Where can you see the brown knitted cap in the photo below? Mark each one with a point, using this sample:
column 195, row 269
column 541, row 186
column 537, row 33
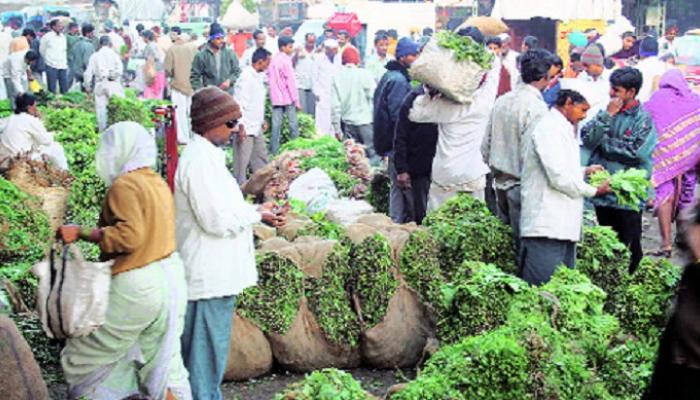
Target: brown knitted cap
column 211, row 108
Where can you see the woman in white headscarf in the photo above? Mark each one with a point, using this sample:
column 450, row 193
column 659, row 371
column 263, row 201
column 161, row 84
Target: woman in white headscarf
column 137, row 350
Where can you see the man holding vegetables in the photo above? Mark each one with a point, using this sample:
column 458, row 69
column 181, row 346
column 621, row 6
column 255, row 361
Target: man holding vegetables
column 553, row 189
column 621, row 138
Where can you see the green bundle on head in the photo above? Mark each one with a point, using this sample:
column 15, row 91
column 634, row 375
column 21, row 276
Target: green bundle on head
column 420, row 267
column 477, row 301
column 492, row 366
column 329, row 299
column 630, row 186
column 373, row 280
column 465, row 48
column 274, row 302
column 467, row 231
column 327, row 384
column 604, row 260
column 646, row 296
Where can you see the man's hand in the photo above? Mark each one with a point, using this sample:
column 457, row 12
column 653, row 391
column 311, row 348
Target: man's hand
column 225, row 84
column 273, row 219
column 318, row 99
column 403, row 180
column 603, row 189
column 593, row 169
column 68, row 233
column 299, row 107
column 615, row 106
column 241, row 133
column 265, row 126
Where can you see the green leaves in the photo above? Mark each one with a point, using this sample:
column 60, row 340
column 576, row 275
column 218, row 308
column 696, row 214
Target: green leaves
column 327, row 384
column 465, row 48
column 630, row 186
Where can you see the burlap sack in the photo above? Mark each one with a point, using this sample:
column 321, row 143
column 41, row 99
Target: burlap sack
column 21, row 376
column 256, row 184
column 368, row 225
column 398, row 341
column 489, row 26
column 249, row 354
column 304, row 347
column 437, row 68
column 263, row 232
column 54, row 199
column 295, row 223
column 307, row 253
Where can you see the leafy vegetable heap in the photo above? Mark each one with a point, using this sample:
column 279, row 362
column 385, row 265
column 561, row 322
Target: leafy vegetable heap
column 373, row 281
column 330, row 302
column 327, row 384
column 465, row 49
column 274, row 302
column 420, row 267
column 307, row 126
column 629, row 186
column 466, row 230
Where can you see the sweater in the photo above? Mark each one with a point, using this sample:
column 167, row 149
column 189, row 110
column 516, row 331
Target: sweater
column 391, row 90
column 415, row 143
column 137, row 221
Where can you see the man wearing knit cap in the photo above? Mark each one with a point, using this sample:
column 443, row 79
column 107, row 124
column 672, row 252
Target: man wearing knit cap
column 596, row 79
column 391, row 90
column 215, row 239
column 216, row 64
column 650, row 66
column 326, row 66
column 351, row 99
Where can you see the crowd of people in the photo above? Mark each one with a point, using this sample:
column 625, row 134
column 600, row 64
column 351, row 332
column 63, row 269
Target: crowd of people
column 537, row 128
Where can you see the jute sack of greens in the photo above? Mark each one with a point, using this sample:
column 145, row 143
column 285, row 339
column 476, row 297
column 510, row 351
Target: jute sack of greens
column 395, row 324
column 302, row 305
column 249, row 354
column 454, row 65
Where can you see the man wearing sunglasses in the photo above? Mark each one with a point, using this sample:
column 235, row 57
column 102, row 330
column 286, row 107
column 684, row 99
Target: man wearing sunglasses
column 214, row 233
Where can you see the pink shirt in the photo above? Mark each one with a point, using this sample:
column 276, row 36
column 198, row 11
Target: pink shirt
column 282, row 81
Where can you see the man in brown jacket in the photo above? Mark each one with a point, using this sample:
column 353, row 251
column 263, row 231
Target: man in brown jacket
column 178, row 64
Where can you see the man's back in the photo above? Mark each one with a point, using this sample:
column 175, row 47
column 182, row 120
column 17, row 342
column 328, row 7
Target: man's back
column 353, row 89
column 178, row 65
column 513, row 114
column 388, row 97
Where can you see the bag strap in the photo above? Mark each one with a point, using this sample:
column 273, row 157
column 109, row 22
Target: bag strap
column 64, row 261
column 52, row 276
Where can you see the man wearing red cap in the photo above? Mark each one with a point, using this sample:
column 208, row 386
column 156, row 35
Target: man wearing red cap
column 351, row 101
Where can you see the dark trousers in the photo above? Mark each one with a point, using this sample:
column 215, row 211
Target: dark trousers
column 54, row 75
column 509, row 205
column 365, row 135
column 400, row 200
column 540, row 258
column 628, row 225
column 420, row 187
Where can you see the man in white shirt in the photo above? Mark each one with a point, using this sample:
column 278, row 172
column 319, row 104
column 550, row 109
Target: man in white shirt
column 15, row 73
column 458, row 166
column 510, row 59
column 249, row 148
column 214, row 233
column 325, row 67
column 25, row 133
column 107, row 68
column 594, row 81
column 514, row 114
column 651, row 67
column 271, row 40
column 376, row 62
column 259, row 39
column 304, row 57
column 553, row 189
column 54, row 51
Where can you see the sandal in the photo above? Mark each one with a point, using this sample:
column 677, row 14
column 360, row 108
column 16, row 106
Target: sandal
column 663, row 253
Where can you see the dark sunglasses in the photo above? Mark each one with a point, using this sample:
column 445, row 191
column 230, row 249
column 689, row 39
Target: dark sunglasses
column 232, row 123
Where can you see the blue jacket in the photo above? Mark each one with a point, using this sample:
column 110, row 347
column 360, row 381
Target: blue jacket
column 391, row 90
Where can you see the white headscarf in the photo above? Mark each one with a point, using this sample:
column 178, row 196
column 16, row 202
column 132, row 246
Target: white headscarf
column 331, row 43
column 124, row 147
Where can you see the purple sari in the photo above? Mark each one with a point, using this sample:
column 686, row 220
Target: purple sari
column 675, row 110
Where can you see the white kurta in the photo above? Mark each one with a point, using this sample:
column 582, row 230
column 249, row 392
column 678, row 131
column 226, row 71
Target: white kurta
column 107, row 68
column 652, row 69
column 214, row 224
column 324, row 71
column 552, row 182
column 24, row 133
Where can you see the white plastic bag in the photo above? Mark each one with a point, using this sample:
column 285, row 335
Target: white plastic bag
column 315, row 188
column 73, row 294
column 347, row 211
column 437, row 68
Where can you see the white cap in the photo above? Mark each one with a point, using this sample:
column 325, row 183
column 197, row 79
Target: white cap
column 504, row 37
column 331, row 43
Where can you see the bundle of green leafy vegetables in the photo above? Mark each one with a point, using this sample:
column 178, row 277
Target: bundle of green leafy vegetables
column 274, row 302
column 127, row 109
column 476, row 301
column 47, row 351
column 321, row 226
column 467, row 231
column 24, row 233
column 306, row 124
column 5, row 108
column 329, row 299
column 630, row 186
column 604, row 260
column 465, row 48
column 327, row 384
column 420, row 266
column 379, row 189
column 373, row 281
column 646, row 297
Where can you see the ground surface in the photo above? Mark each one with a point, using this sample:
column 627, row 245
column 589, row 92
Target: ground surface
column 375, row 381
